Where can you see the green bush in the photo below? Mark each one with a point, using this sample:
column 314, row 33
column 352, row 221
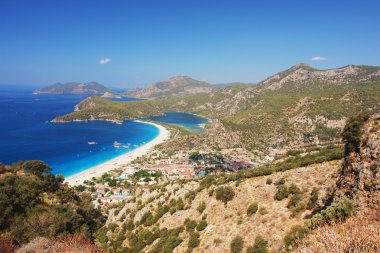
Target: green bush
column 269, row 180
column 295, row 236
column 252, row 209
column 190, row 224
column 260, row 246
column 202, row 225
column 282, row 192
column 194, row 240
column 236, row 245
column 280, row 182
column 225, row 194
column 201, row 207
column 337, row 211
column 294, row 200
column 313, row 200
column 352, row 132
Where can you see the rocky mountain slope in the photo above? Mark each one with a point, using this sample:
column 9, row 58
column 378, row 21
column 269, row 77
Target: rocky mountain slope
column 74, row 88
column 175, row 86
column 360, row 177
column 293, row 107
column 299, row 204
column 206, row 215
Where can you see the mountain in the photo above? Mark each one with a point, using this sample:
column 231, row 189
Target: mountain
column 273, row 208
column 294, row 107
column 74, row 88
column 175, row 86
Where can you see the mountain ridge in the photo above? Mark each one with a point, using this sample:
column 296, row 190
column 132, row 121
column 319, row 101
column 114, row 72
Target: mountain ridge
column 93, row 88
column 174, row 86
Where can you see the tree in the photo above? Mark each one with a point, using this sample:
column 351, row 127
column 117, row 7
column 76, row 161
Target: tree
column 36, row 167
column 260, row 246
column 352, row 132
column 225, row 194
column 236, row 245
column 252, row 209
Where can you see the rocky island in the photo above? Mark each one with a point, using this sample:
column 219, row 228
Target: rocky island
column 92, row 88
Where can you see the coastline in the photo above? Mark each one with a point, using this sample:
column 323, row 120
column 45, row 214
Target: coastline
column 121, row 160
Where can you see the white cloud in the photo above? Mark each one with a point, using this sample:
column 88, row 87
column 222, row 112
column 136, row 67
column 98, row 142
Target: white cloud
column 319, row 58
column 104, row 61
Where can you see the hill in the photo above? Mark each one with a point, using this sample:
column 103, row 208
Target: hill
column 175, row 86
column 74, row 88
column 297, row 106
column 306, row 197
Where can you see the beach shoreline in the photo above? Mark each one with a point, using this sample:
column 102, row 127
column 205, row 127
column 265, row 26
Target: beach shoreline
column 121, row 160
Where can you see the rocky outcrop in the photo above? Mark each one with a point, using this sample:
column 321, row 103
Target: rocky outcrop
column 360, row 176
column 175, row 86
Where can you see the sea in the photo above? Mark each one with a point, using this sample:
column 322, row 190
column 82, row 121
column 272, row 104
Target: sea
column 26, row 132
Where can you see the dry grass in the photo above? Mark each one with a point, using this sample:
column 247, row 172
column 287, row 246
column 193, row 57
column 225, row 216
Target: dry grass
column 62, row 244
column 356, row 235
column 6, row 244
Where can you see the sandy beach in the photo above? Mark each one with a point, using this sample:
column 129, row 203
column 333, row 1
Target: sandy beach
column 124, row 159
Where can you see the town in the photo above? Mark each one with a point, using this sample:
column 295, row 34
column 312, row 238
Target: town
column 160, row 167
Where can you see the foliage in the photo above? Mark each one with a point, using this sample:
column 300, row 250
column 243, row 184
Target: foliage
column 252, row 209
column 225, row 194
column 38, row 204
column 260, row 246
column 194, row 240
column 352, row 132
column 296, row 234
column 282, row 192
column 202, row 225
column 190, row 224
column 313, row 200
column 337, row 211
column 236, row 245
column 269, row 180
column 201, row 207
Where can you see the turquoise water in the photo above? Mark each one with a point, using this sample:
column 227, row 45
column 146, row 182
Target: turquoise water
column 188, row 121
column 27, row 134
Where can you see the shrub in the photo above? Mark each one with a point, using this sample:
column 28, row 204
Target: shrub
column 282, row 192
column 280, row 182
column 337, row 211
column 352, row 132
column 263, row 211
column 260, row 246
column 252, row 209
column 201, row 207
column 294, row 200
column 112, row 226
column 269, row 180
column 295, row 236
column 193, row 240
column 225, row 194
column 190, row 224
column 236, row 245
column 202, row 225
column 293, row 189
column 313, row 200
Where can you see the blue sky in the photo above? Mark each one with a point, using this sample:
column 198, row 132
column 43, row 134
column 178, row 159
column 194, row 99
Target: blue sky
column 143, row 41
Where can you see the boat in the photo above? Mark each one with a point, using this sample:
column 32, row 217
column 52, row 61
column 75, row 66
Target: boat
column 116, row 144
column 92, row 143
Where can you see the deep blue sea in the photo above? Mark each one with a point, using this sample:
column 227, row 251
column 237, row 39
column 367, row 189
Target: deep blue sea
column 26, row 133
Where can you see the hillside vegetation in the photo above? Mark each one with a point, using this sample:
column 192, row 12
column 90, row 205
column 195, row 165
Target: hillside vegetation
column 35, row 203
column 298, row 105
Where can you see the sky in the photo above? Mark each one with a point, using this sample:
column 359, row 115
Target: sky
column 132, row 43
